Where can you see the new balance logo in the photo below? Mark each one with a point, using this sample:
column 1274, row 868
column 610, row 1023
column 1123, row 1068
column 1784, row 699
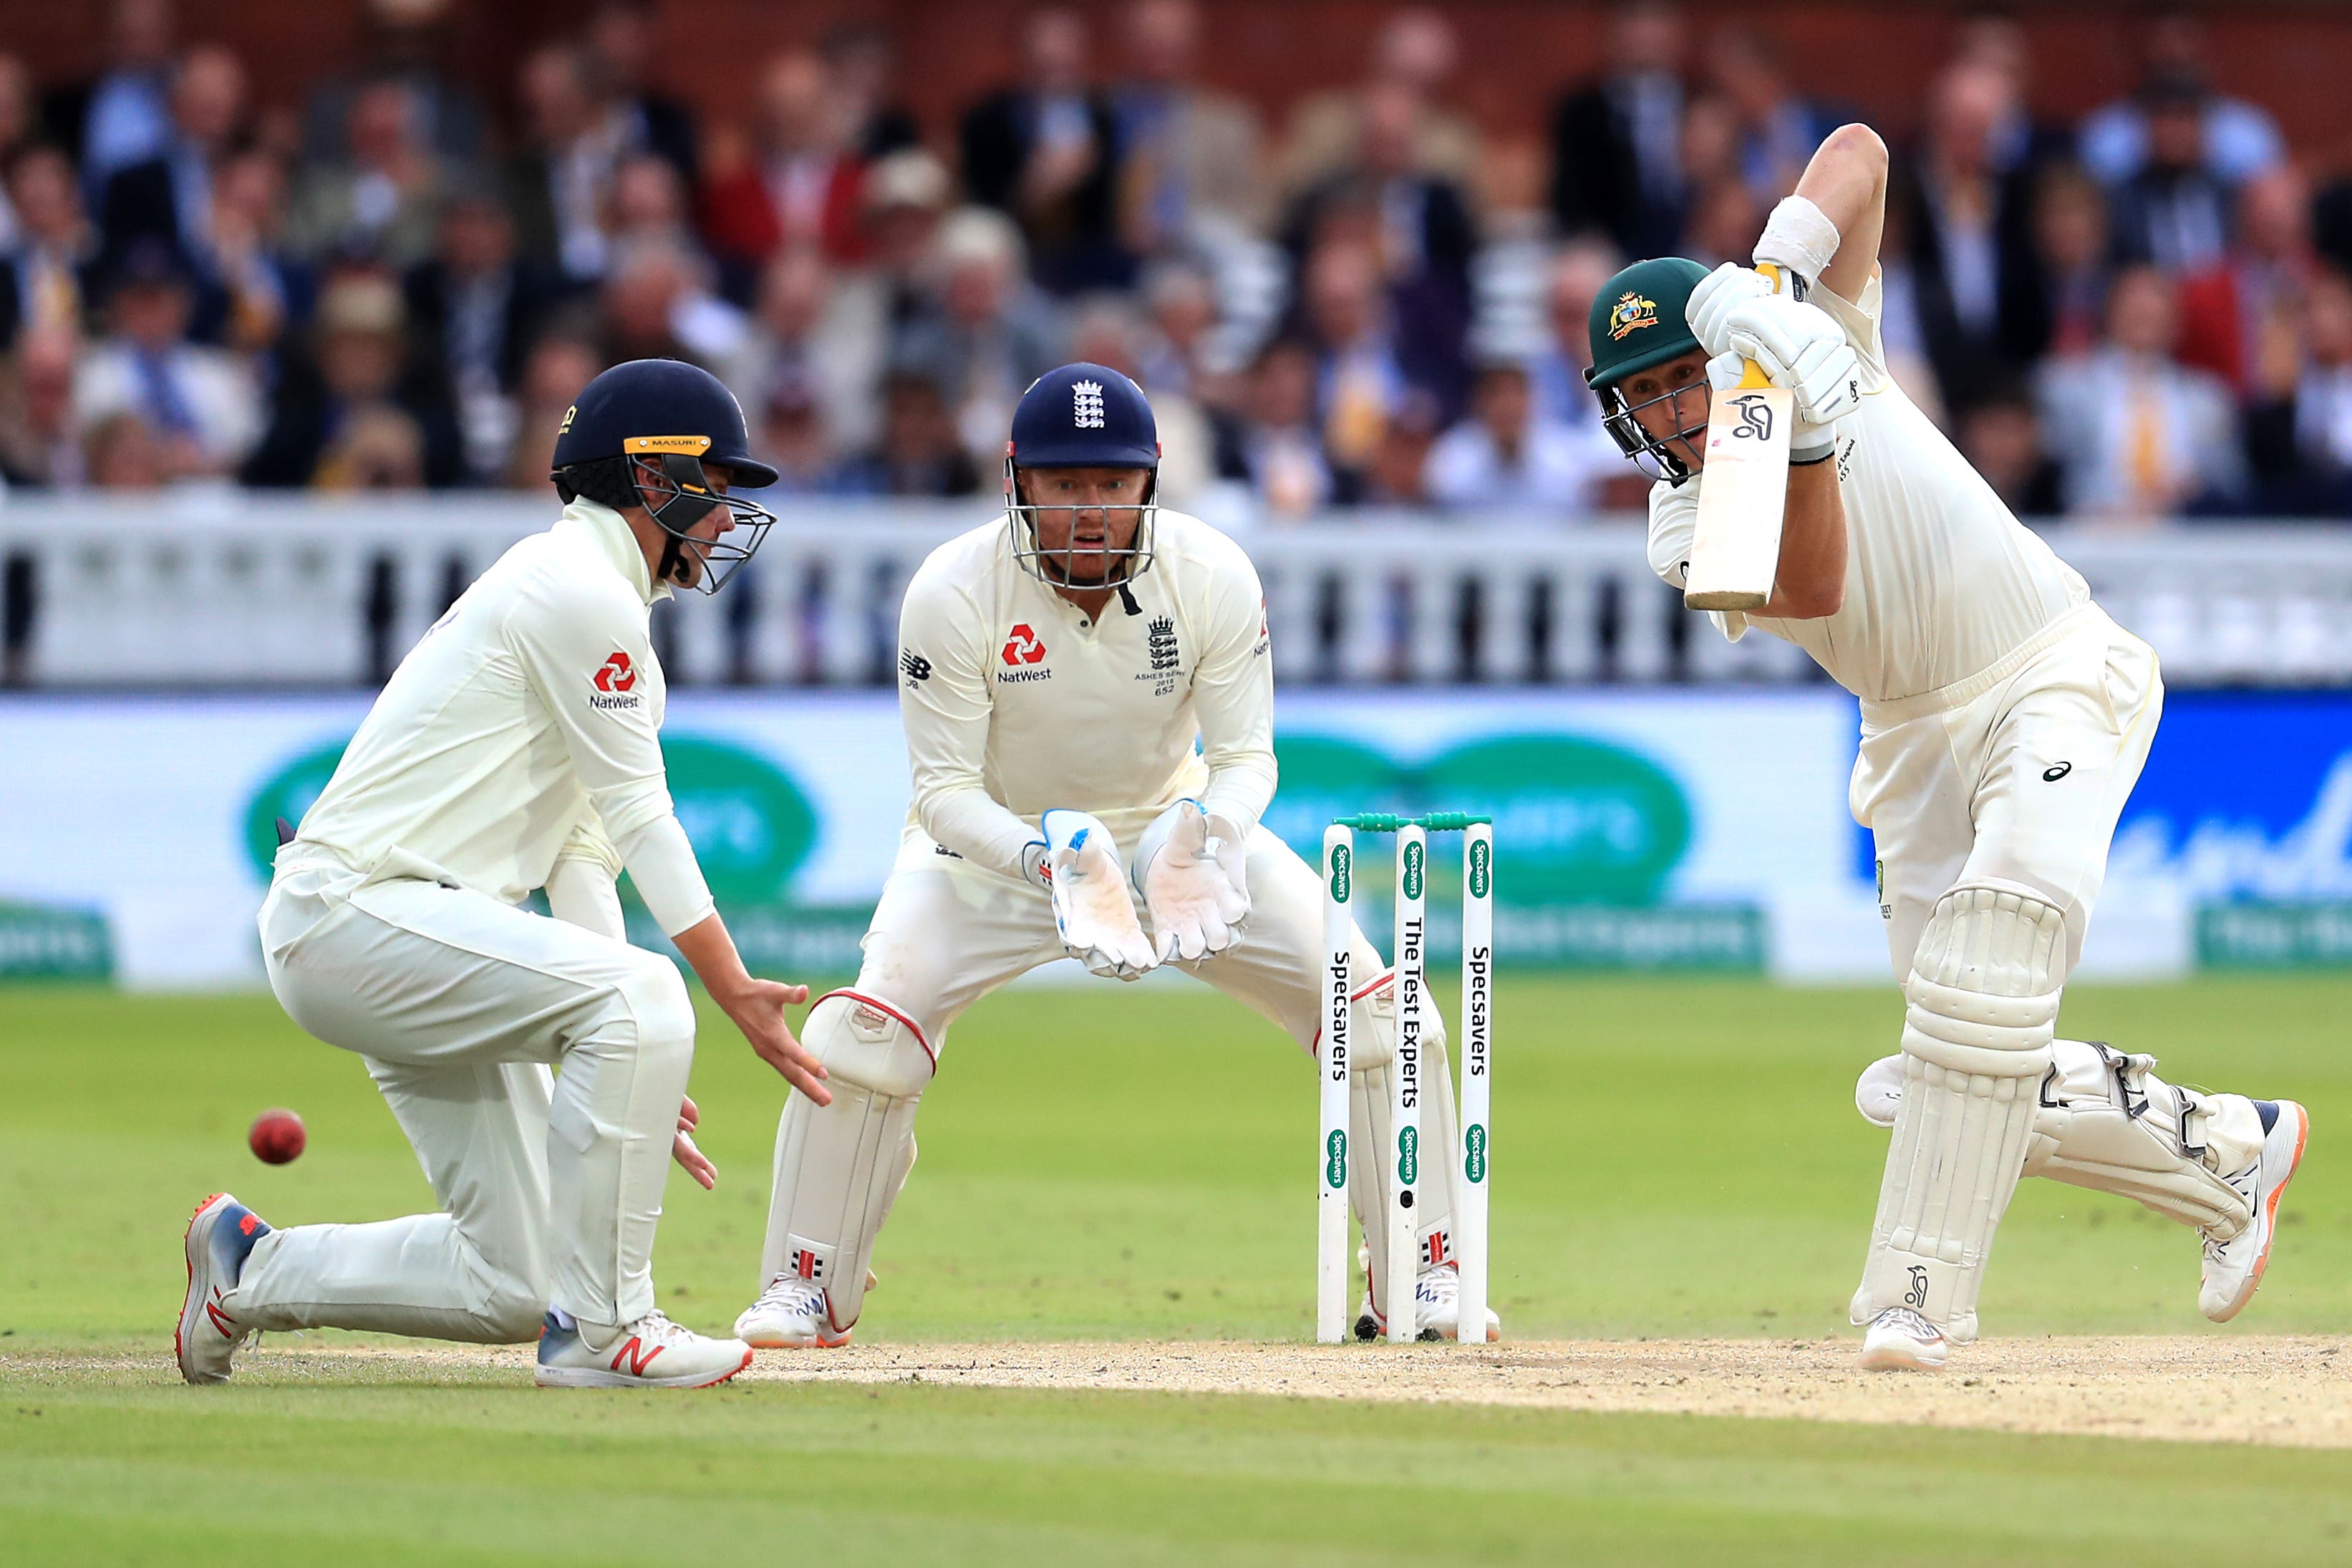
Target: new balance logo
column 636, row 1355
column 220, row 1320
column 1087, row 405
column 917, row 668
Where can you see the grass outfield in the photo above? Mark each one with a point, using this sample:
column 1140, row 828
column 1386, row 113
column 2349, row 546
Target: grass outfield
column 1671, row 1159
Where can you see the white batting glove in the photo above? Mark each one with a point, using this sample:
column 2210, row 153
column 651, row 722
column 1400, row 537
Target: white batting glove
column 1808, row 442
column 1718, row 294
column 1091, row 907
column 1190, row 868
column 1798, row 347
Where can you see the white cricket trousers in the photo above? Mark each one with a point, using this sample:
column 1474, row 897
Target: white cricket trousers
column 550, row 1184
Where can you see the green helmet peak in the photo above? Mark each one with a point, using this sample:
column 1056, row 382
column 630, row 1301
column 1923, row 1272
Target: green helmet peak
column 1639, row 319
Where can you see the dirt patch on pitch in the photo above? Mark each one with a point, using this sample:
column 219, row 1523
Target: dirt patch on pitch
column 2290, row 1391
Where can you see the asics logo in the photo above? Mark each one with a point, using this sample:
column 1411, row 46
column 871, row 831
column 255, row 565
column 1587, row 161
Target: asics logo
column 2058, row 771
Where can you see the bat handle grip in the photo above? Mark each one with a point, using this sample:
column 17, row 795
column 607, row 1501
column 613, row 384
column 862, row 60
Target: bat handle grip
column 1752, row 374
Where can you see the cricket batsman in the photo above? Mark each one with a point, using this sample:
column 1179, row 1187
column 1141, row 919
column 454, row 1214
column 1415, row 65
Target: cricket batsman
column 2004, row 721
column 1088, row 704
column 516, row 748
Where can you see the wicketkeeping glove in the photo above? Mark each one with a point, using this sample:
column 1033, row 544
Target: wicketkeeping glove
column 1190, row 868
column 1091, row 907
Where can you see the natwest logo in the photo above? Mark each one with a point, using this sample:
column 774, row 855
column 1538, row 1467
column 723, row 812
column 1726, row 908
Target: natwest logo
column 1022, row 646
column 617, row 674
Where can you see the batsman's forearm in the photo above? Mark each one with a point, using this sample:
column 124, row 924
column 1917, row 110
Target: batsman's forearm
column 1810, row 582
column 1847, row 180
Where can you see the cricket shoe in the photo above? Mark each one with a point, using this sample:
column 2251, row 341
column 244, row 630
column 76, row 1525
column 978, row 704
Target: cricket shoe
column 791, row 1313
column 221, row 1235
column 1436, row 1309
column 1900, row 1339
column 2233, row 1268
column 652, row 1352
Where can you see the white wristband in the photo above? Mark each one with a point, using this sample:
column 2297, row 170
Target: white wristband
column 1799, row 237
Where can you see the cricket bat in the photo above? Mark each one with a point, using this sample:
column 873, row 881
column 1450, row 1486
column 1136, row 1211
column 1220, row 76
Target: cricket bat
column 1743, row 493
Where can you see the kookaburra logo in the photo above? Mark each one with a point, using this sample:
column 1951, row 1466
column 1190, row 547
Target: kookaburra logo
column 1087, row 405
column 1916, row 1297
column 1161, row 639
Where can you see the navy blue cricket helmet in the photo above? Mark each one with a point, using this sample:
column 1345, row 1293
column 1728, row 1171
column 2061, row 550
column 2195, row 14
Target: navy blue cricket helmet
column 1083, row 416
column 640, row 434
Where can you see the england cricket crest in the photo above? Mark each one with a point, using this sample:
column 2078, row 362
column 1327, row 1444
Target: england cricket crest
column 1087, row 405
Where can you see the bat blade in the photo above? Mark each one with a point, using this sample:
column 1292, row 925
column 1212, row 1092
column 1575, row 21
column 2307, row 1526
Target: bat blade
column 1743, row 494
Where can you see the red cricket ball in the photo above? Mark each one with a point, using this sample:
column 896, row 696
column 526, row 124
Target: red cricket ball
column 277, row 1137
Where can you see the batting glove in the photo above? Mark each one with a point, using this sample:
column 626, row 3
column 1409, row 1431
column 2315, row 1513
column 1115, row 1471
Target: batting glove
column 1091, row 907
column 1718, row 294
column 1808, row 442
column 1190, row 868
column 1798, row 347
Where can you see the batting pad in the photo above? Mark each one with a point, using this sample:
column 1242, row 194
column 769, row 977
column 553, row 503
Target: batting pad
column 1371, row 1126
column 2107, row 1122
column 1983, row 1008
column 839, row 1167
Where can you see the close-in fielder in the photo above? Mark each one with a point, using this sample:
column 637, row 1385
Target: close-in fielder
column 1089, row 703
column 2004, row 721
column 516, row 748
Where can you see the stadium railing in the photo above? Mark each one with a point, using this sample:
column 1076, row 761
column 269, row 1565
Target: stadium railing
column 222, row 588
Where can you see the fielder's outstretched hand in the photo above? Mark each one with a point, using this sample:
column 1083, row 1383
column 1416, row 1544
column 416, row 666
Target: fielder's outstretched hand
column 1190, row 868
column 682, row 1150
column 1091, row 907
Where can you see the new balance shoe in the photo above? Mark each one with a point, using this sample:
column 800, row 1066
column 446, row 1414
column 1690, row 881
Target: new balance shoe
column 1436, row 1309
column 791, row 1313
column 220, row 1238
column 2233, row 1268
column 1900, row 1339
column 652, row 1352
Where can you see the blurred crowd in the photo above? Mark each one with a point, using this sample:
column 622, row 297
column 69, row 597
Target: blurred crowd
column 392, row 284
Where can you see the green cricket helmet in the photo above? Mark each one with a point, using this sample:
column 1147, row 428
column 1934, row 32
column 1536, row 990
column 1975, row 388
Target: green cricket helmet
column 1639, row 320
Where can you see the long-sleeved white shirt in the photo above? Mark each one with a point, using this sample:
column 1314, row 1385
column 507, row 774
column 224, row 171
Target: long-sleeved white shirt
column 1941, row 580
column 1015, row 704
column 525, row 725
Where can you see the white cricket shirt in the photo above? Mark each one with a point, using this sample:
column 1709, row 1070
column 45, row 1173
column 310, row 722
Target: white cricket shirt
column 1015, row 704
column 523, row 725
column 1941, row 580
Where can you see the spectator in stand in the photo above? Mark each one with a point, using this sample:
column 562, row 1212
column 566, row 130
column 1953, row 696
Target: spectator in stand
column 1556, row 375
column 1273, row 449
column 1359, row 381
column 403, row 41
column 793, row 441
column 803, row 185
column 987, row 332
column 624, row 37
column 1779, row 129
column 2139, row 435
column 121, row 453
column 2234, row 140
column 1995, row 41
column 1721, row 217
column 125, row 118
column 1046, row 151
column 1107, row 331
column 2299, row 418
column 381, row 202
column 2000, row 433
column 1503, row 460
column 1616, row 142
column 1399, row 474
column 864, row 64
column 1192, row 163
column 169, row 197
column 359, row 412
column 16, row 135
column 561, row 179
column 39, row 448
column 553, row 374
column 49, row 277
column 906, row 195
column 920, row 453
column 656, row 303
column 1414, row 53
column 2071, row 253
column 473, row 309
column 2173, row 210
column 802, row 350
column 202, row 404
column 1181, row 303
column 1971, row 238
column 2226, row 309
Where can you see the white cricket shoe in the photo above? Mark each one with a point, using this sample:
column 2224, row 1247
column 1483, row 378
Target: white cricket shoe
column 2233, row 1268
column 1900, row 1339
column 1436, row 1309
column 791, row 1313
column 652, row 1352
column 220, row 1238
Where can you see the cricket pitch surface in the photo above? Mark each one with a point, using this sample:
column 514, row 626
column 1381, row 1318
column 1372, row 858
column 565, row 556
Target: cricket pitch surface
column 2289, row 1391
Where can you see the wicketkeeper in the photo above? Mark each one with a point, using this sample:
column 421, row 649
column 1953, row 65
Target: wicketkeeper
column 516, row 748
column 1089, row 703
column 2004, row 721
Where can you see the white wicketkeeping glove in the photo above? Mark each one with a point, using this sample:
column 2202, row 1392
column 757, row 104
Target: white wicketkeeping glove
column 1800, row 348
column 1091, row 907
column 1190, row 868
column 1719, row 293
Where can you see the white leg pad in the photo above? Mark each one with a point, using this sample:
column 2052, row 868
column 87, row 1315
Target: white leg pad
column 1369, row 1127
column 840, row 1167
column 1983, row 1008
column 2107, row 1122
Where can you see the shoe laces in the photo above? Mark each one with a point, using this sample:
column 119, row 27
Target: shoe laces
column 791, row 1293
column 1907, row 1321
column 654, row 1328
column 1441, row 1284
